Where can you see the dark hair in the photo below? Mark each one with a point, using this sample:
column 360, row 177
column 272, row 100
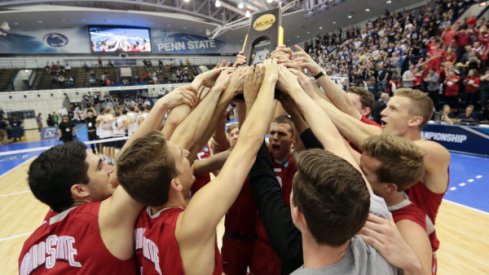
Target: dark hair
column 331, row 194
column 145, row 169
column 366, row 98
column 52, row 174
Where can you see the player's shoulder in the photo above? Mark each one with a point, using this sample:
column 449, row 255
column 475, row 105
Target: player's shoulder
column 433, row 149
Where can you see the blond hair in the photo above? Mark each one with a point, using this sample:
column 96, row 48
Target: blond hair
column 401, row 160
column 422, row 105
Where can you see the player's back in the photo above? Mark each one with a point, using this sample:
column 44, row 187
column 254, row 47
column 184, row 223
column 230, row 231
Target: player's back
column 70, row 242
column 157, row 247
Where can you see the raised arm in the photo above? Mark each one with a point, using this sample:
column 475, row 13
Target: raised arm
column 208, row 206
column 337, row 96
column 319, row 121
column 119, row 212
column 195, row 124
column 352, row 129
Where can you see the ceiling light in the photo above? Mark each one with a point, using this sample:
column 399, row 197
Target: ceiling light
column 367, row 10
column 349, row 16
column 218, row 4
column 240, row 6
column 186, row 1
column 248, row 14
column 389, row 2
column 269, row 1
column 320, row 27
column 334, row 22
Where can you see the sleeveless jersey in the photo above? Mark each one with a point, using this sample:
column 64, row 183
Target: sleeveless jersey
column 241, row 216
column 429, row 203
column 156, row 245
column 69, row 243
column 407, row 210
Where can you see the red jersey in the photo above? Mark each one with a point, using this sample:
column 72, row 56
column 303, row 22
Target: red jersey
column 241, row 216
column 406, row 210
column 470, row 82
column 202, row 180
column 451, row 88
column 429, row 203
column 368, row 121
column 70, row 242
column 156, row 245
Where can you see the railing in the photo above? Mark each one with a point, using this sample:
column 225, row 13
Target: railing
column 30, row 62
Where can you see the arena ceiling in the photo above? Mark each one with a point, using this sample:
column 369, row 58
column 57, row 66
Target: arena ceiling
column 227, row 22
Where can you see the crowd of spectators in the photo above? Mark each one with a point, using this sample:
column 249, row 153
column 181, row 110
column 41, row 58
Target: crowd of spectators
column 424, row 48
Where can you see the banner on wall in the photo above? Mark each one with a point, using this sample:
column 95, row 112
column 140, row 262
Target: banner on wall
column 51, row 41
column 472, row 140
column 182, row 43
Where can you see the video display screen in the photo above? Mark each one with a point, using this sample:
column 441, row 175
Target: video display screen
column 119, row 39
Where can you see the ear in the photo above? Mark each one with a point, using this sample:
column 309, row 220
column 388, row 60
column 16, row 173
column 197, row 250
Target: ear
column 80, row 191
column 415, row 121
column 390, row 187
column 175, row 185
column 366, row 111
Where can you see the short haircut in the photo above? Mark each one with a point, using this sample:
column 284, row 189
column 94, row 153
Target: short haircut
column 422, row 105
column 52, row 174
column 145, row 169
column 232, row 127
column 402, row 161
column 285, row 119
column 331, row 194
column 366, row 98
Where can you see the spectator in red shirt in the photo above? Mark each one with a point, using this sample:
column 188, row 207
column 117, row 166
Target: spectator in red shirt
column 472, row 82
column 448, row 35
column 452, row 88
column 462, row 39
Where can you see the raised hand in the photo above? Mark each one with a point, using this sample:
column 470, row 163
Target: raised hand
column 207, row 78
column 222, row 81
column 240, row 59
column 252, row 84
column 384, row 236
column 287, row 81
column 181, row 95
column 304, row 60
column 238, row 79
column 306, row 83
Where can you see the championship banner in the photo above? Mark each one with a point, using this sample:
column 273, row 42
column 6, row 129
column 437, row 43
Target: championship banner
column 50, row 41
column 466, row 139
column 164, row 42
column 264, row 35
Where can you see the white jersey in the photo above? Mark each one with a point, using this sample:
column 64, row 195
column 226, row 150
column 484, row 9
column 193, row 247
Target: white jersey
column 105, row 130
column 133, row 125
column 119, row 127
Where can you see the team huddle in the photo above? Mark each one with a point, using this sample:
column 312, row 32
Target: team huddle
column 327, row 192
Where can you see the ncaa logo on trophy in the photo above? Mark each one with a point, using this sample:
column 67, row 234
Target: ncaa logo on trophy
column 264, row 35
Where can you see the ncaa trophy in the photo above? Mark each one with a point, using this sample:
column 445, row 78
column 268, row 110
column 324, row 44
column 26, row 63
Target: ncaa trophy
column 264, row 35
